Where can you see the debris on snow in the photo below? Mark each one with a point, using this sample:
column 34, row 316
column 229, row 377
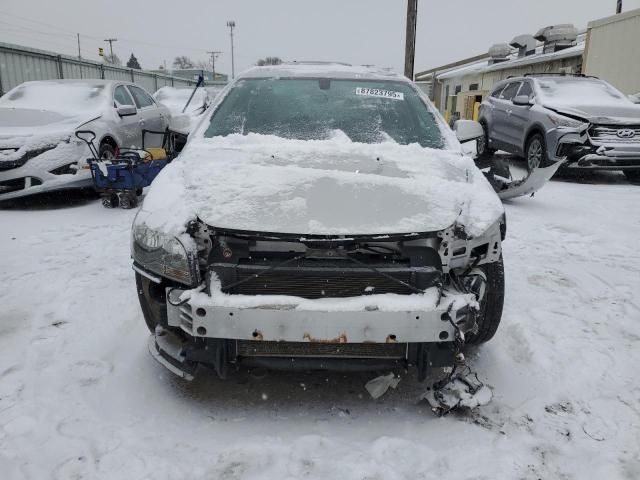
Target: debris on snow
column 463, row 390
column 379, row 385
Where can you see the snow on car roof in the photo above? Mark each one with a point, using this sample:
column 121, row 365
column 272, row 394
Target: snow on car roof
column 68, row 97
column 321, row 69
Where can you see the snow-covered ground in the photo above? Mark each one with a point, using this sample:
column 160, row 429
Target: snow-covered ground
column 81, row 398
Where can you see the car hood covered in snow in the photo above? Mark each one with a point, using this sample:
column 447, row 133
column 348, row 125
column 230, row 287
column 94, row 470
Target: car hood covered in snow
column 324, row 187
column 24, row 130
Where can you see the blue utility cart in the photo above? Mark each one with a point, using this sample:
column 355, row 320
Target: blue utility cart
column 120, row 180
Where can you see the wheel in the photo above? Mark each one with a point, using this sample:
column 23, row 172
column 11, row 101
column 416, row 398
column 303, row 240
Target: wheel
column 110, row 200
column 633, row 176
column 107, row 152
column 128, row 200
column 482, row 144
column 491, row 306
column 536, row 152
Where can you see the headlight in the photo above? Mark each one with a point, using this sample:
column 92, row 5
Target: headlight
column 165, row 255
column 563, row 121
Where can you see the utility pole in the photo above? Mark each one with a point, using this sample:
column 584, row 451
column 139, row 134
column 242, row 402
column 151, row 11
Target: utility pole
column 410, row 38
column 232, row 24
column 214, row 55
column 111, row 40
column 79, row 54
column 619, row 7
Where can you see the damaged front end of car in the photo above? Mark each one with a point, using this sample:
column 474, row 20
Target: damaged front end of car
column 230, row 298
column 599, row 144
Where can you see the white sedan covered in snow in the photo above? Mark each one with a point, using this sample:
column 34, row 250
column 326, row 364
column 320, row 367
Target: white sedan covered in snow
column 38, row 149
column 175, row 99
column 320, row 216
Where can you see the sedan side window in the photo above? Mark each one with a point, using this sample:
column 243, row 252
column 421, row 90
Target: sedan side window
column 510, row 91
column 141, row 98
column 121, row 96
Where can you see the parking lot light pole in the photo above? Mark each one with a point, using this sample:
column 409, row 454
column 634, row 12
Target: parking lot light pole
column 232, row 24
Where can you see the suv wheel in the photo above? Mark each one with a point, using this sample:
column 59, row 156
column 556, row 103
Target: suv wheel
column 536, row 152
column 482, row 144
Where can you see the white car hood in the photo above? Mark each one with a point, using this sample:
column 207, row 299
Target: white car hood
column 23, row 130
column 328, row 187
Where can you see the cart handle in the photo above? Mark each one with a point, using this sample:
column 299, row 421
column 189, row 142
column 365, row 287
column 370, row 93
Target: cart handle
column 88, row 136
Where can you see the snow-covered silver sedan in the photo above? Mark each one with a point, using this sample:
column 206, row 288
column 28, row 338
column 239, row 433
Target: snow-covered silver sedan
column 320, row 216
column 38, row 149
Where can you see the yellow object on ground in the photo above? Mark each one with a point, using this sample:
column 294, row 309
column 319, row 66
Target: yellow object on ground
column 155, row 154
column 476, row 111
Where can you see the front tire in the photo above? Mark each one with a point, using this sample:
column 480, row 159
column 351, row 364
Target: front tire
column 536, row 152
column 490, row 313
column 482, row 144
column 107, row 152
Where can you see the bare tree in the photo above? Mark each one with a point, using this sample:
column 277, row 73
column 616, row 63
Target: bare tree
column 269, row 61
column 112, row 59
column 203, row 64
column 182, row 62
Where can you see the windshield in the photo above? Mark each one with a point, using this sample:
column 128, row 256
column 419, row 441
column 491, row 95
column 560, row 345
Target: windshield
column 62, row 97
column 580, row 91
column 313, row 109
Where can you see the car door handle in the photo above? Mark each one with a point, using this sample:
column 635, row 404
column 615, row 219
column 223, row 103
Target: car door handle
column 141, row 122
column 509, row 112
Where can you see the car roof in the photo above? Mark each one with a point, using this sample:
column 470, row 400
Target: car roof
column 86, row 81
column 333, row 70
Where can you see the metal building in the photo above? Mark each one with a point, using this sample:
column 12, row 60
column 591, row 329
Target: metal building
column 612, row 50
column 607, row 49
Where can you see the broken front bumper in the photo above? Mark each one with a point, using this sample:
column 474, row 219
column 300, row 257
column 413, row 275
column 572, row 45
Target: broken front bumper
column 584, row 153
column 291, row 337
column 200, row 317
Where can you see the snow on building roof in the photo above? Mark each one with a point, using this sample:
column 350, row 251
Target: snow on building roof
column 514, row 62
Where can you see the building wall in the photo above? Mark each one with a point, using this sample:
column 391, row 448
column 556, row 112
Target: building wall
column 613, row 50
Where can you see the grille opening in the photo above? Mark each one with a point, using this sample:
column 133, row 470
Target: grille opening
column 65, row 169
column 257, row 348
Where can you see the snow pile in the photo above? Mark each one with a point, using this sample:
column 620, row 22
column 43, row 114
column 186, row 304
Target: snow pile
column 326, row 187
column 80, row 396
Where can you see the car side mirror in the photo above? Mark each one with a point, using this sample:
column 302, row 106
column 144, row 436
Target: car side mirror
column 467, row 130
column 635, row 98
column 522, row 101
column 126, row 110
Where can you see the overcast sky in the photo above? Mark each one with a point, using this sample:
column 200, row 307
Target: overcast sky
column 355, row 31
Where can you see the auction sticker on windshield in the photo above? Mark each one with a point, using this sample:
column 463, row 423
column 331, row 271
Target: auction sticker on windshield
column 378, row 92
